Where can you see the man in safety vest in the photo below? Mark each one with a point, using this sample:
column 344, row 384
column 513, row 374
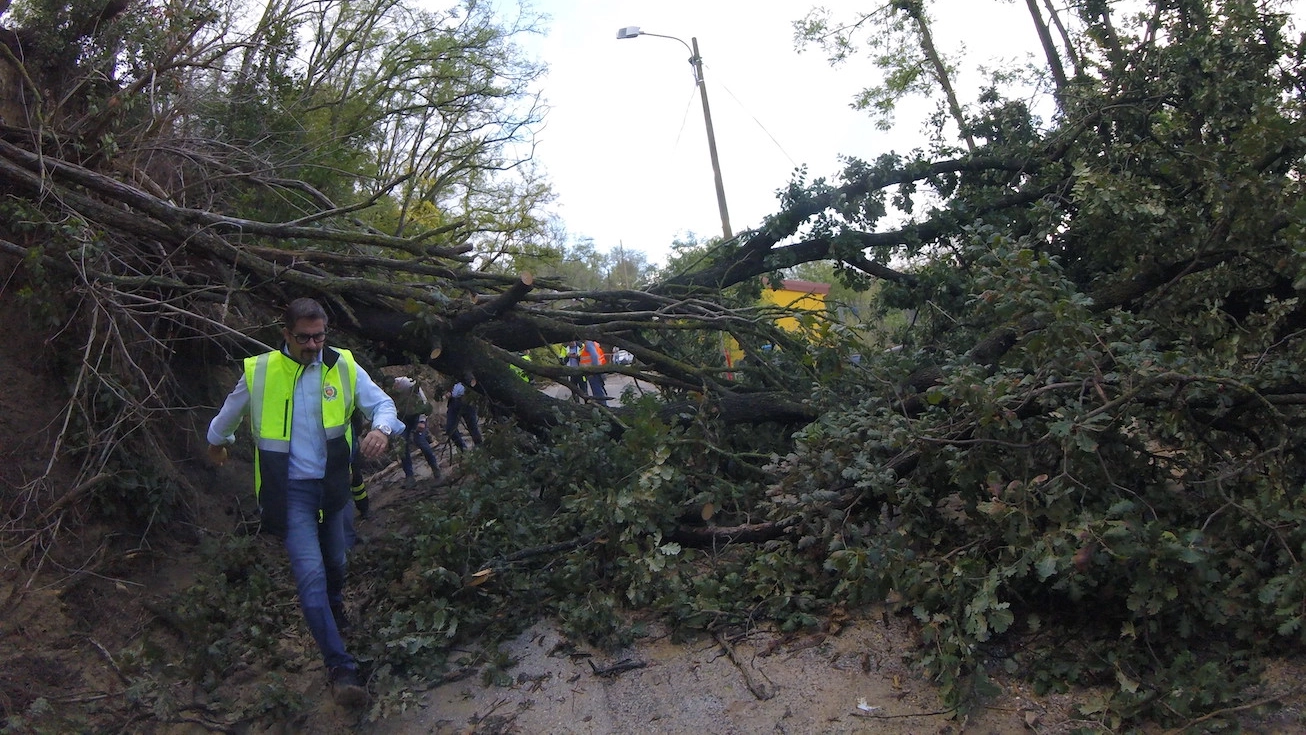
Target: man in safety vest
column 570, row 356
column 592, row 354
column 300, row 400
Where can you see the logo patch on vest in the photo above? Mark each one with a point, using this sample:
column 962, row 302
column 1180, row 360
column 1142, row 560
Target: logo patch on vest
column 329, row 392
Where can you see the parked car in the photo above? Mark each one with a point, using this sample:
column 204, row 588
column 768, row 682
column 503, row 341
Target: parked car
column 622, row 357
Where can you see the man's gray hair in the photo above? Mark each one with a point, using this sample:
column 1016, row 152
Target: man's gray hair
column 303, row 308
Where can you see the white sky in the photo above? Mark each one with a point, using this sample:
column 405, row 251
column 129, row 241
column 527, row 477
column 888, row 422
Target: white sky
column 625, row 144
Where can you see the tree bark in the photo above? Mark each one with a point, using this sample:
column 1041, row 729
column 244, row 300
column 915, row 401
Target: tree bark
column 1049, row 48
column 916, row 10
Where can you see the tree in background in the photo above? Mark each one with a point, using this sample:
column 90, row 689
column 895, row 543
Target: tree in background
column 584, row 267
column 898, row 36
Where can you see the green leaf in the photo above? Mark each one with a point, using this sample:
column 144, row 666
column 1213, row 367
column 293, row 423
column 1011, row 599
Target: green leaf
column 1046, row 567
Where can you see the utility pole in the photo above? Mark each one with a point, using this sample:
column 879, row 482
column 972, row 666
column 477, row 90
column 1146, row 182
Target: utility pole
column 696, row 62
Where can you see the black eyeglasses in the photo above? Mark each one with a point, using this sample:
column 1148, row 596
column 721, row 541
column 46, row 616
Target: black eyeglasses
column 304, row 339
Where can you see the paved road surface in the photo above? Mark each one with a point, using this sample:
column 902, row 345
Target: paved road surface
column 615, row 384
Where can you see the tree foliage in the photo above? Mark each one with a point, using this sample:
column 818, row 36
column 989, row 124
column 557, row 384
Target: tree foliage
column 1081, row 464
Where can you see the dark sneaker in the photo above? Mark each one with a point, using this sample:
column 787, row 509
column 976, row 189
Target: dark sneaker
column 347, row 688
column 342, row 620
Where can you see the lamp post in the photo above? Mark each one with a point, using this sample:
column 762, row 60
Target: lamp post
column 696, row 62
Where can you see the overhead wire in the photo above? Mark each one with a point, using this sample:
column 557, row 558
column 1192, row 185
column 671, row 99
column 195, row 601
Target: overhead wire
column 684, row 117
column 755, row 120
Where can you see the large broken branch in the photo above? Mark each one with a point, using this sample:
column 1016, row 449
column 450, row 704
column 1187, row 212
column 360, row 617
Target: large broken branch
column 706, row 537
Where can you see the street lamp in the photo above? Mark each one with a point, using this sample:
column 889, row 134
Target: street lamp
column 696, row 62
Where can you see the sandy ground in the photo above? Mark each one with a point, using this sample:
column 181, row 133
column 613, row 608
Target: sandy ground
column 853, row 682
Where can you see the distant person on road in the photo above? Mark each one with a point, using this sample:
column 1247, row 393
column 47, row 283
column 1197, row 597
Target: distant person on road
column 300, row 400
column 462, row 408
column 572, row 359
column 592, row 354
column 413, row 406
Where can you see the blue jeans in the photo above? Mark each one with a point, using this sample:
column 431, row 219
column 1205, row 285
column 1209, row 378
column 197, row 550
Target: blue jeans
column 347, row 521
column 467, row 414
column 317, row 559
column 413, row 436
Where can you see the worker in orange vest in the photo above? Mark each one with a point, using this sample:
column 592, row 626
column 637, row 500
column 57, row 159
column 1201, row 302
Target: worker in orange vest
column 592, row 354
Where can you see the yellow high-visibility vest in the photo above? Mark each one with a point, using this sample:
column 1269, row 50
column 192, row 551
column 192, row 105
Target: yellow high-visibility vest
column 270, row 378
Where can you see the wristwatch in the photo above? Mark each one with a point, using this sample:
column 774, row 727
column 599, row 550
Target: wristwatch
column 384, row 429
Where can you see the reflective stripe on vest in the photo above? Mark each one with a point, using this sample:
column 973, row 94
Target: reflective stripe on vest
column 585, row 358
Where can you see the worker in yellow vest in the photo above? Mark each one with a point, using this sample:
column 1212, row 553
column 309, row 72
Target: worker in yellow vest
column 300, row 400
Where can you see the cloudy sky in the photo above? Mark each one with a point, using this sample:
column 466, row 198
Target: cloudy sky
column 625, row 144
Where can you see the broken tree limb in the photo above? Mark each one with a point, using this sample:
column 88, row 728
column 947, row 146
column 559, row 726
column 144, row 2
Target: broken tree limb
column 748, row 533
column 608, row 672
column 759, row 690
column 508, row 560
column 496, row 306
